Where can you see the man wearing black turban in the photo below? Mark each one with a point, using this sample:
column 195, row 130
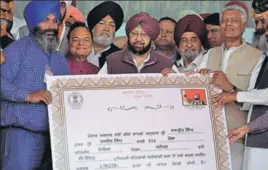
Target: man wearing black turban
column 213, row 30
column 104, row 20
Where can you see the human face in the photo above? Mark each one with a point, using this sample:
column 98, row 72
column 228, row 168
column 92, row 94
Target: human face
column 214, row 35
column 45, row 34
column 166, row 37
column 63, row 10
column 104, row 31
column 138, row 41
column 232, row 25
column 5, row 10
column 261, row 26
column 190, row 46
column 5, row 17
column 49, row 26
column 80, row 42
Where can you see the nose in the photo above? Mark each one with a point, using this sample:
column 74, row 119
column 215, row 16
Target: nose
column 106, row 28
column 80, row 42
column 259, row 25
column 163, row 34
column 209, row 35
column 189, row 44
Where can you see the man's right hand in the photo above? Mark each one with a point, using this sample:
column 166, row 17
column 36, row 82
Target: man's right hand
column 166, row 71
column 39, row 96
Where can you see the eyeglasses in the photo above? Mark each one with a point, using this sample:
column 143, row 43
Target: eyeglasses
column 136, row 34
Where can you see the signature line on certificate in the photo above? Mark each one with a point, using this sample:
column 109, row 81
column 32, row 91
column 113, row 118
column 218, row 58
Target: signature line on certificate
column 185, row 133
column 107, row 160
column 115, row 144
column 112, row 168
column 106, row 152
column 171, row 149
column 178, row 141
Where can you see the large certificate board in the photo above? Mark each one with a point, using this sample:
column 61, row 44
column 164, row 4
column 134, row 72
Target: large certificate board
column 140, row 122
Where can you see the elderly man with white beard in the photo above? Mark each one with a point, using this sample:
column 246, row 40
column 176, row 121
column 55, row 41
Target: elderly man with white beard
column 103, row 21
column 189, row 37
column 260, row 15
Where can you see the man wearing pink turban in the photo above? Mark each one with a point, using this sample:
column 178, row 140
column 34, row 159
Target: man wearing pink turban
column 139, row 57
column 189, row 36
column 73, row 15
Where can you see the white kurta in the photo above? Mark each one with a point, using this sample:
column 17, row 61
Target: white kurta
column 254, row 158
column 237, row 149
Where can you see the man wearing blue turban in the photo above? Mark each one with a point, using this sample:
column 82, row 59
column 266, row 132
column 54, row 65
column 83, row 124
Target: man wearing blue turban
column 24, row 98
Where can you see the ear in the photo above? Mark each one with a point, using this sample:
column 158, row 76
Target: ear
column 244, row 26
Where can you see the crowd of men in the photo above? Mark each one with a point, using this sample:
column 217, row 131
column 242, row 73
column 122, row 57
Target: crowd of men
column 58, row 40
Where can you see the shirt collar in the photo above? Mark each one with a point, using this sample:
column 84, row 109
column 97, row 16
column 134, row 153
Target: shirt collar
column 224, row 49
column 99, row 53
column 197, row 61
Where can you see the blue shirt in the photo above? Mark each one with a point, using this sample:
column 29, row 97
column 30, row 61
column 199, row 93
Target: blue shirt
column 23, row 73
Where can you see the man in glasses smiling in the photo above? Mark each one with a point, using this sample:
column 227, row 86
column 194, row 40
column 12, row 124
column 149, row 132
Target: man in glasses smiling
column 139, row 57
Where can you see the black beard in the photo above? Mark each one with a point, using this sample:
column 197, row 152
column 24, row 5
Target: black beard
column 259, row 32
column 143, row 51
column 46, row 44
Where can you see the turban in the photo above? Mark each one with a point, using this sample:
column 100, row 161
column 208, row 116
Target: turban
column 190, row 23
column 149, row 24
column 213, row 19
column 37, row 11
column 102, row 10
column 263, row 15
column 204, row 15
column 75, row 13
column 240, row 5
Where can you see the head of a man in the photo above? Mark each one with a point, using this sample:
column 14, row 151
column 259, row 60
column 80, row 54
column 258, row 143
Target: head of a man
column 165, row 40
column 190, row 35
column 73, row 15
column 233, row 21
column 79, row 40
column 196, row 96
column 189, row 46
column 6, row 16
column 141, row 30
column 139, row 42
column 104, row 20
column 260, row 15
column 43, row 25
column 104, row 31
column 213, row 30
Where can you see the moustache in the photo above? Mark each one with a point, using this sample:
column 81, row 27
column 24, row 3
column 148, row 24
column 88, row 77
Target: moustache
column 260, row 31
column 53, row 32
column 6, row 21
column 105, row 34
column 189, row 49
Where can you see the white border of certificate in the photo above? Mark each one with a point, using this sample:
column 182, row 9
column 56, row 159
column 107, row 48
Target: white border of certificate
column 58, row 84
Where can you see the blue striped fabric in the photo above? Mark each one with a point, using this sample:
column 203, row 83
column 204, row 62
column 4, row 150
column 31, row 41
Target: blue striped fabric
column 22, row 73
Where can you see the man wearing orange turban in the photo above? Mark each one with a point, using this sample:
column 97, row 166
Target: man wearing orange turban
column 73, row 15
column 139, row 57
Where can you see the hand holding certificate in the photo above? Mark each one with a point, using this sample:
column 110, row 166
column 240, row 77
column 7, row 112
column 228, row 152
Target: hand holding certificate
column 136, row 122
